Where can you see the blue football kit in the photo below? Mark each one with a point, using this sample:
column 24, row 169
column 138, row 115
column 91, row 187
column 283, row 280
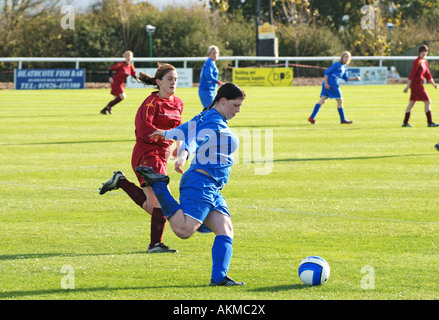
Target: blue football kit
column 211, row 142
column 208, row 83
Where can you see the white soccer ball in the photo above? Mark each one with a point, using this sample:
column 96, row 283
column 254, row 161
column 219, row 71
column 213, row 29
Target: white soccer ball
column 314, row 271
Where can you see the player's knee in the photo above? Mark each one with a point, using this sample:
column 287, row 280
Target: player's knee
column 225, row 228
column 183, row 233
column 151, row 201
column 228, row 229
column 122, row 96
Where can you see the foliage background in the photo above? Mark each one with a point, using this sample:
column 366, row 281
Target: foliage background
column 32, row 28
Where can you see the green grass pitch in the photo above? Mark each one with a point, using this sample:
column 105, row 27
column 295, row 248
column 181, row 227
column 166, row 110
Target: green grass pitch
column 365, row 197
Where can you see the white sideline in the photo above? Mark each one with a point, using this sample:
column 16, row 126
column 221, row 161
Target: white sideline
column 242, row 206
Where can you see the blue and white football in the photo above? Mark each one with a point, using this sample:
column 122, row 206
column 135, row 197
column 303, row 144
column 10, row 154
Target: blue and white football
column 314, row 271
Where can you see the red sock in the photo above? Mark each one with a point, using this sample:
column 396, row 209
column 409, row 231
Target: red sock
column 114, row 102
column 158, row 222
column 136, row 193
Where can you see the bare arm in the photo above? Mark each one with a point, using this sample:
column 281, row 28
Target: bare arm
column 181, row 161
column 409, row 82
column 433, row 83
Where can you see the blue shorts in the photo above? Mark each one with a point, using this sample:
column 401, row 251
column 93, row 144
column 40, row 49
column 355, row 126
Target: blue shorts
column 206, row 97
column 334, row 92
column 199, row 195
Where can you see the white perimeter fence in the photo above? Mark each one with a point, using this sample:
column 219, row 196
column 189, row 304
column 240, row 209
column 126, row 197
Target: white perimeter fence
column 236, row 59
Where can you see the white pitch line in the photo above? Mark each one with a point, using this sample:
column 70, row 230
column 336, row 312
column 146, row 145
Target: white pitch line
column 243, row 206
column 337, row 215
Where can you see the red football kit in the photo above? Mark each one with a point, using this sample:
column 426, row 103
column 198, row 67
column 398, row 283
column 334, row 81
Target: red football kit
column 419, row 71
column 154, row 113
column 123, row 70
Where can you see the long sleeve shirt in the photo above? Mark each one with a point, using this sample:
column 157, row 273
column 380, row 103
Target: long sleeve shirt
column 209, row 76
column 209, row 138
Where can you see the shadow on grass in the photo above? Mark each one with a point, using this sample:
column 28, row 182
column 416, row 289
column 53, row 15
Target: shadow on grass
column 353, row 158
column 70, row 292
column 67, row 292
column 285, row 287
column 51, row 255
column 64, row 142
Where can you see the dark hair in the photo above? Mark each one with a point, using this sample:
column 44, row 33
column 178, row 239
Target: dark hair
column 230, row 91
column 423, row 48
column 162, row 70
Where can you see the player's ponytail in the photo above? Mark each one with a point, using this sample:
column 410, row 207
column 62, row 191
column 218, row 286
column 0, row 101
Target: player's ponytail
column 146, row 79
column 230, row 91
column 162, row 70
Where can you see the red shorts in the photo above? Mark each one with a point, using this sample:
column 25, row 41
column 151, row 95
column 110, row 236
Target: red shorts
column 152, row 156
column 418, row 93
column 117, row 88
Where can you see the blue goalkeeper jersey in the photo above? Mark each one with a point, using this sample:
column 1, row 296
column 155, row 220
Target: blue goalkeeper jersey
column 209, row 138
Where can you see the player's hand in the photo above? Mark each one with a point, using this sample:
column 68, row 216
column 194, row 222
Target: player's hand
column 435, row 86
column 179, row 165
column 157, row 135
column 327, row 86
column 406, row 89
column 111, row 80
column 357, row 78
column 174, row 154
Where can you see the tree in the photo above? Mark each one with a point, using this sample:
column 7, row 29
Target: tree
column 335, row 13
column 15, row 13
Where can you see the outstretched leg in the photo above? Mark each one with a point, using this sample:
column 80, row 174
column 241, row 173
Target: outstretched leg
column 408, row 111
column 341, row 112
column 140, row 197
column 182, row 225
column 316, row 109
column 109, row 107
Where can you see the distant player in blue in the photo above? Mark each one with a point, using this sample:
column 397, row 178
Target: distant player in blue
column 209, row 78
column 331, row 88
column 202, row 207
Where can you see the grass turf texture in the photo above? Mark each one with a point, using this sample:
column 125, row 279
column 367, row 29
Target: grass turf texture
column 357, row 195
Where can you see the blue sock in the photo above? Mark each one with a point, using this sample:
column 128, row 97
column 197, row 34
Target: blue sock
column 316, row 110
column 221, row 255
column 341, row 113
column 166, row 200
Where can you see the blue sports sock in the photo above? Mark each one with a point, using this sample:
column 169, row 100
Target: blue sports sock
column 166, row 200
column 316, row 110
column 221, row 255
column 341, row 113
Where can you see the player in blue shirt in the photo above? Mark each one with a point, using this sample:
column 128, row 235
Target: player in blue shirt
column 202, row 207
column 209, row 78
column 331, row 88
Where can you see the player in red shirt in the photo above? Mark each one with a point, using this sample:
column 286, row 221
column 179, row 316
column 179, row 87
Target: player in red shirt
column 415, row 82
column 118, row 74
column 161, row 110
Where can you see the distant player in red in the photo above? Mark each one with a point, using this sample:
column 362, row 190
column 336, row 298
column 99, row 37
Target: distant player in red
column 415, row 82
column 119, row 73
column 161, row 110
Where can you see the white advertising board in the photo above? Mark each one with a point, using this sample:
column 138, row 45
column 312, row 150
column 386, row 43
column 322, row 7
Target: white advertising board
column 368, row 75
column 184, row 77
